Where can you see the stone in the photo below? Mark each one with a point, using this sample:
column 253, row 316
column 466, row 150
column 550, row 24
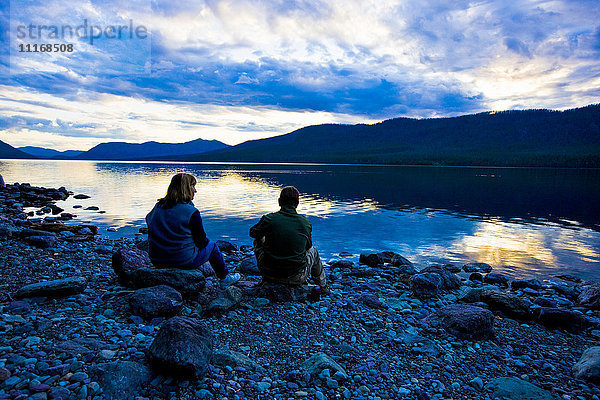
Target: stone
column 556, row 318
column 227, row 301
column 81, row 196
column 120, row 380
column 281, row 293
column 78, row 346
column 425, row 285
column 464, row 321
column 343, row 264
column 455, row 269
column 449, row 280
column 156, row 301
column 403, row 264
column 588, row 366
column 227, row 247
column 372, row 301
column 248, row 266
column 235, row 359
column 187, row 282
column 495, row 278
column 59, row 393
column 54, row 288
column 477, row 267
column 143, row 245
column 517, row 389
column 545, row 302
column 508, row 304
column 25, row 233
column 590, row 297
column 372, row 260
column 126, row 261
column 476, row 277
column 182, row 346
column 320, row 361
column 525, row 283
column 43, row 242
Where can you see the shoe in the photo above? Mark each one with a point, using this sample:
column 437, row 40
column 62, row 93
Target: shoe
column 229, row 280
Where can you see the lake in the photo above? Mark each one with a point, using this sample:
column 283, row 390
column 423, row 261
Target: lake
column 524, row 222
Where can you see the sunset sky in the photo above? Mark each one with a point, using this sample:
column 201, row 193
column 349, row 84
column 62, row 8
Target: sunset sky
column 236, row 70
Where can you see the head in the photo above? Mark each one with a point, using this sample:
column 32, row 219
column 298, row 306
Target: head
column 181, row 190
column 290, row 196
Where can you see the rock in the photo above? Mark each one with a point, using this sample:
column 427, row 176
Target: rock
column 42, row 242
column 207, row 270
column 81, row 196
column 510, row 305
column 455, row 269
column 449, row 280
column 372, row 260
column 228, row 300
column 55, row 288
column 545, row 302
column 525, row 283
column 126, row 261
column 78, row 346
column 372, row 301
column 476, row 277
column 143, row 245
column 477, row 267
column 103, row 249
column 186, row 282
column 281, row 293
column 156, row 301
column 426, row 285
column 92, row 208
column 235, row 359
column 120, row 380
column 464, row 321
column 495, row 278
column 555, row 318
column 590, row 297
column 404, row 264
column 248, row 266
column 320, row 361
column 517, row 389
column 343, row 264
column 59, row 393
column 182, row 346
column 35, row 232
column 588, row 366
column 227, row 247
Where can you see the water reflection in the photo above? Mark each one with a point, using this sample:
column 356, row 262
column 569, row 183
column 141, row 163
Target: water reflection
column 537, row 222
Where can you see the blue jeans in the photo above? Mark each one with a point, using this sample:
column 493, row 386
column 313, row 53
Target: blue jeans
column 212, row 254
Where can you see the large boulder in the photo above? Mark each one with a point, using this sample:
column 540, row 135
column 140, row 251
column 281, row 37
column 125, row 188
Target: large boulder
column 526, row 283
column 590, row 297
column 426, row 285
column 477, row 267
column 281, row 293
column 126, row 261
column 43, row 242
column 182, row 347
column 449, row 280
column 186, row 282
column 227, row 300
column 495, row 278
column 464, row 321
column 227, row 247
column 248, row 266
column 320, row 361
column 54, row 288
column 588, row 366
column 372, row 260
column 508, row 304
column 120, row 380
column 556, row 318
column 156, row 301
column 517, row 389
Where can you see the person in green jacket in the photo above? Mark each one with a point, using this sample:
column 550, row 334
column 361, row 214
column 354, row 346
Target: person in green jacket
column 283, row 245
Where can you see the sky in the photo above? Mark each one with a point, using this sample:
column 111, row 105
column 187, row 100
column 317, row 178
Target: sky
column 237, row 70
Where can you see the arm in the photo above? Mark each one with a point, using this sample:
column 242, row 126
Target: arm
column 198, row 230
column 259, row 229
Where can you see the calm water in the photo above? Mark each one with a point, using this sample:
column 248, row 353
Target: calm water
column 526, row 222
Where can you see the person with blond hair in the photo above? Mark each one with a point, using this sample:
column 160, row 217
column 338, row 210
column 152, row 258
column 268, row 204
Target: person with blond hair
column 176, row 236
column 283, row 245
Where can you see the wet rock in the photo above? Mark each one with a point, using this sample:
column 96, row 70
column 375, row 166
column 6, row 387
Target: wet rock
column 282, row 293
column 588, row 366
column 81, row 196
column 449, row 280
column 372, row 260
column 186, row 282
column 343, row 264
column 372, row 301
column 510, row 305
column 526, row 283
column 182, row 346
column 464, row 321
column 156, row 301
column 42, row 242
column 126, row 261
column 477, row 267
column 120, row 380
column 54, row 288
column 227, row 247
column 321, row 361
column 517, row 389
column 403, row 263
column 248, row 266
column 590, row 297
column 476, row 277
column 545, row 302
column 455, row 269
column 556, row 318
column 495, row 278
column 92, row 208
column 228, row 300
column 235, row 359
column 426, row 285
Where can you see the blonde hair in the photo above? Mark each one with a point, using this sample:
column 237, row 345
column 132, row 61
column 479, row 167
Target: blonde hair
column 179, row 190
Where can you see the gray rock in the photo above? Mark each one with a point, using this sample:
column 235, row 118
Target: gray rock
column 282, row 293
column 590, row 297
column 182, row 346
column 35, row 232
column 235, row 359
column 556, row 318
column 477, row 267
column 79, row 346
column 455, row 269
column 509, row 304
column 156, row 301
column 426, row 285
column 126, row 261
column 227, row 247
column 187, row 282
column 54, row 288
column 320, row 361
column 588, row 366
column 228, row 300
column 517, row 389
column 449, row 280
column 464, row 321
column 495, row 278
column 120, row 380
column 42, row 242
column 526, row 283
column 248, row 266
column 372, row 301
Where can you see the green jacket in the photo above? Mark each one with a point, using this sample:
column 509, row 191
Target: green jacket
column 287, row 237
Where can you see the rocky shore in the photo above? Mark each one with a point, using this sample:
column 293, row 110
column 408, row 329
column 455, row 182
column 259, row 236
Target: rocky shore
column 84, row 317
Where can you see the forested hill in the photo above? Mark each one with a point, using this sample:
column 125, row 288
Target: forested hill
column 568, row 138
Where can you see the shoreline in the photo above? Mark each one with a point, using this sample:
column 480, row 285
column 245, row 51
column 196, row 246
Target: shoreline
column 377, row 326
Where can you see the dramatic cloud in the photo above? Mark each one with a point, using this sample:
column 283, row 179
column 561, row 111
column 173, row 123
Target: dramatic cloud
column 239, row 69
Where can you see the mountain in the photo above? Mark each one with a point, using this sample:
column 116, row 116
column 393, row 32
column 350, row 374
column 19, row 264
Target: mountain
column 148, row 150
column 49, row 153
column 546, row 138
column 7, row 151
